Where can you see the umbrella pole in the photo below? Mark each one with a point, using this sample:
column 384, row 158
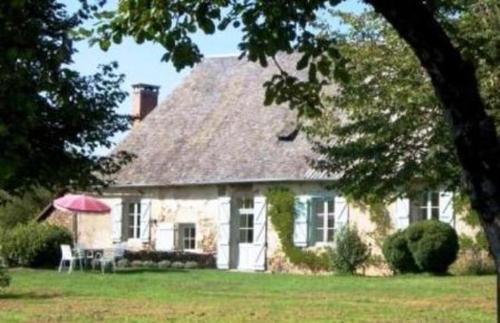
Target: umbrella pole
column 75, row 227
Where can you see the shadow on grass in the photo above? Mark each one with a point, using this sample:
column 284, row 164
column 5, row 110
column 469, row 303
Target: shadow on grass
column 128, row 271
column 29, row 295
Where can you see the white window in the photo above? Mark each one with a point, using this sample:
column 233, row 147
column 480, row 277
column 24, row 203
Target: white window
column 245, row 210
column 134, row 220
column 425, row 207
column 187, row 235
column 324, row 220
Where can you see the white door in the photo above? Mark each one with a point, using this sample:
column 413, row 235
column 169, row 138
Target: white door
column 245, row 236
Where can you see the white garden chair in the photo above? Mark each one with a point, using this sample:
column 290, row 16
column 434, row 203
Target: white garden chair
column 107, row 258
column 68, row 257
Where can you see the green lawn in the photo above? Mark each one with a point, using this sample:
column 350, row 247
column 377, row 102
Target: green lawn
column 215, row 296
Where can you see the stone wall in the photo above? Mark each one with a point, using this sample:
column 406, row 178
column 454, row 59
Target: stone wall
column 199, row 205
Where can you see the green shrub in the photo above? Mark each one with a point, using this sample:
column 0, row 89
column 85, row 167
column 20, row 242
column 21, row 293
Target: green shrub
column 473, row 258
column 350, row 252
column 191, row 265
column 123, row 263
column 34, row 244
column 433, row 244
column 149, row 264
column 136, row 263
column 282, row 214
column 164, row 264
column 397, row 254
column 4, row 277
column 178, row 265
column 472, row 263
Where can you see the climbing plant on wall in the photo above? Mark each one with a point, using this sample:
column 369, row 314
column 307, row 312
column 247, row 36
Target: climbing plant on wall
column 281, row 211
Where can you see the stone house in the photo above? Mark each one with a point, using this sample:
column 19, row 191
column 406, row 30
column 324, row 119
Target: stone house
column 205, row 158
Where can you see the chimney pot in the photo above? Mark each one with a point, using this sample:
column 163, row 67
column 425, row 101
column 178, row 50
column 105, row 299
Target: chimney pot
column 144, row 100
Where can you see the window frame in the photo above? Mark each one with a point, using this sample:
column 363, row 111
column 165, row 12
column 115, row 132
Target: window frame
column 328, row 213
column 427, row 207
column 246, row 211
column 183, row 238
column 135, row 215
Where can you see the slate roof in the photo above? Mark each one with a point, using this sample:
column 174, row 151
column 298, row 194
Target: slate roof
column 214, row 128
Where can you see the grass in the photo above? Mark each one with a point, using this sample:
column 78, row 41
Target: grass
column 216, row 296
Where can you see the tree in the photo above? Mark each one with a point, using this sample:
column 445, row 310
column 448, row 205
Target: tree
column 270, row 27
column 387, row 86
column 51, row 118
column 22, row 209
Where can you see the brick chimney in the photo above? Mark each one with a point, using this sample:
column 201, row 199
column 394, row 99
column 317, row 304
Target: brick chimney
column 144, row 100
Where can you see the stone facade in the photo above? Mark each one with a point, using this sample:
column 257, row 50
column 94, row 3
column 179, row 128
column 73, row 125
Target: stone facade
column 199, row 205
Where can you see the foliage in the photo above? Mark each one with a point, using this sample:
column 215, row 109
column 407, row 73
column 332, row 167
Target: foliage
column 461, row 205
column 203, row 260
column 148, row 264
column 4, row 277
column 123, row 263
column 136, row 263
column 397, row 254
column 379, row 216
column 52, row 119
column 281, row 211
column 164, row 264
column 473, row 262
column 191, row 264
column 177, row 264
column 21, row 210
column 387, row 86
column 433, row 244
column 350, row 252
column 34, row 244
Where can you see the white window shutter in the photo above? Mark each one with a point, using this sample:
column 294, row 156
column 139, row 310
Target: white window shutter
column 402, row 213
column 300, row 221
column 165, row 237
column 145, row 219
column 446, row 207
column 259, row 228
column 223, row 221
column 341, row 211
column 116, row 222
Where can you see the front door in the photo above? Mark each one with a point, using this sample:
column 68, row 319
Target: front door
column 245, row 235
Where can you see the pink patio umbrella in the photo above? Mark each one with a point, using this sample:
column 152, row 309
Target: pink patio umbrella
column 80, row 203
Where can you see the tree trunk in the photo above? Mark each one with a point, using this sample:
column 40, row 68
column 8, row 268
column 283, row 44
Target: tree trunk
column 455, row 84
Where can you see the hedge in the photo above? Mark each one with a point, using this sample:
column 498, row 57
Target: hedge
column 204, row 260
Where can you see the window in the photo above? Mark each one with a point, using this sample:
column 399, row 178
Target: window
column 425, row 207
column 187, row 236
column 245, row 211
column 134, row 220
column 324, row 219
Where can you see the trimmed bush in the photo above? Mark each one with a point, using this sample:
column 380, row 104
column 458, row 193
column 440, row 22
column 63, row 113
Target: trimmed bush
column 350, row 252
column 204, row 260
column 4, row 277
column 177, row 265
column 123, row 263
column 34, row 244
column 433, row 244
column 164, row 264
column 191, row 264
column 149, row 264
column 136, row 263
column 397, row 254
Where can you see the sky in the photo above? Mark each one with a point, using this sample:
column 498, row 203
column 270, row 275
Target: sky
column 142, row 63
